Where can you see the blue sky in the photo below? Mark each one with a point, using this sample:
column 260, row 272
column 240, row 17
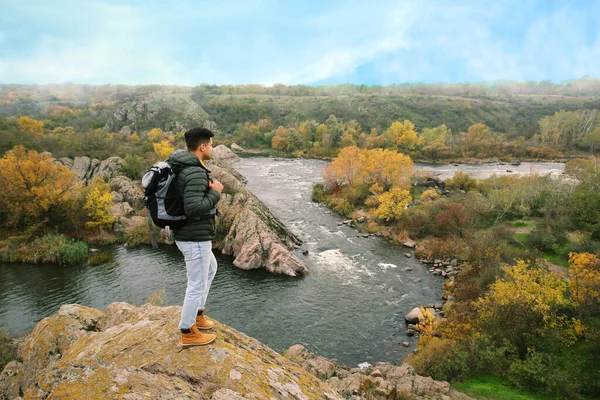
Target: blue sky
column 297, row 42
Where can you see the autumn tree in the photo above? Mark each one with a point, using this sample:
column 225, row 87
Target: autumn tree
column 569, row 128
column 155, row 135
column 403, row 135
column 584, row 281
column 391, row 204
column 163, row 149
column 306, row 134
column 280, row 140
column 374, row 140
column 97, row 204
column 35, row 188
column 386, row 169
column 247, row 134
column 348, row 168
column 479, row 141
column 434, row 141
column 525, row 304
column 31, row 126
column 350, row 135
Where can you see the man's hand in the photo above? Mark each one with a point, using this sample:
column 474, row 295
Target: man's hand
column 215, row 185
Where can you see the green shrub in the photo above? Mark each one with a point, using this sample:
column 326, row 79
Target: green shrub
column 462, row 181
column 51, row 248
column 531, row 374
column 319, row 193
column 489, row 358
column 139, row 234
column 442, row 359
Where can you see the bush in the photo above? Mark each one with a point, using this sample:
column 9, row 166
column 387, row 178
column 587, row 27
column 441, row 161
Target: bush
column 532, row 373
column 139, row 234
column 319, row 193
column 51, row 248
column 489, row 358
column 442, row 359
column 462, row 181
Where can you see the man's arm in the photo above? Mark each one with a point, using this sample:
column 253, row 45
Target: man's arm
column 197, row 198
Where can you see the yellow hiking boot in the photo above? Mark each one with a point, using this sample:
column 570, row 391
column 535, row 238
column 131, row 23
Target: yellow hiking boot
column 196, row 338
column 203, row 323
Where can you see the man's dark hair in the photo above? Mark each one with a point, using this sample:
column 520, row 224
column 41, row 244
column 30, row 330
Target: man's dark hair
column 197, row 136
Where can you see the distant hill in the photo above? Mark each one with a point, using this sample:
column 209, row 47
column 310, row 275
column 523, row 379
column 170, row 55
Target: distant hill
column 511, row 108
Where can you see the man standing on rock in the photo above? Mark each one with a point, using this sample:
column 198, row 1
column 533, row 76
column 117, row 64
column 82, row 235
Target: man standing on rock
column 200, row 195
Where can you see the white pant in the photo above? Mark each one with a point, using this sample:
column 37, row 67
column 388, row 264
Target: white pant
column 201, row 266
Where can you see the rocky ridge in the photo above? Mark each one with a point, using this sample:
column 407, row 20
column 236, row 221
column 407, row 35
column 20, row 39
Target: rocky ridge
column 129, row 352
column 254, row 235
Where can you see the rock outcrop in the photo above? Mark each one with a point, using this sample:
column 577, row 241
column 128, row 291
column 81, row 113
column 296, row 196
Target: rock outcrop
column 236, row 148
column 253, row 234
column 87, row 169
column 128, row 352
column 381, row 381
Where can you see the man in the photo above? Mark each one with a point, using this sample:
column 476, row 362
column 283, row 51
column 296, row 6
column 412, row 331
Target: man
column 200, row 196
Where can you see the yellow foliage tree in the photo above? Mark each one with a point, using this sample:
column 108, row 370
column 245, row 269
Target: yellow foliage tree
column 584, row 279
column 525, row 304
column 30, row 125
column 155, row 135
column 97, row 205
column 387, row 168
column 280, row 140
column 133, row 138
column 392, row 204
column 34, row 187
column 347, row 139
column 377, row 169
column 348, row 168
column 305, row 132
column 403, row 135
column 374, row 140
column 163, row 149
column 429, row 195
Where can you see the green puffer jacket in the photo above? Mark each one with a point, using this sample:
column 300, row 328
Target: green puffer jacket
column 192, row 180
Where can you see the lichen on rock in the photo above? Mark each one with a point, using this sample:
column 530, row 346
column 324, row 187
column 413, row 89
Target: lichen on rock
column 129, row 352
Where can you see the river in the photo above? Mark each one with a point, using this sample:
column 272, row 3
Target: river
column 350, row 308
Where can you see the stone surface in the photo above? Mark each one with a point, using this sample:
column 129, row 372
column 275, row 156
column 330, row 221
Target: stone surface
column 131, row 191
column 109, row 168
column 129, row 352
column 383, row 381
column 237, row 148
column 122, row 209
column 413, row 316
column 254, row 235
column 221, row 152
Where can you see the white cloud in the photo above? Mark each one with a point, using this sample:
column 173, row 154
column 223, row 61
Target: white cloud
column 238, row 42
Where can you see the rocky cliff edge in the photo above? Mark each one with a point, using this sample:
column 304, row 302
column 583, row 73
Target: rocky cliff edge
column 129, row 352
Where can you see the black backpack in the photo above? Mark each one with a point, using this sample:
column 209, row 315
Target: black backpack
column 161, row 196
